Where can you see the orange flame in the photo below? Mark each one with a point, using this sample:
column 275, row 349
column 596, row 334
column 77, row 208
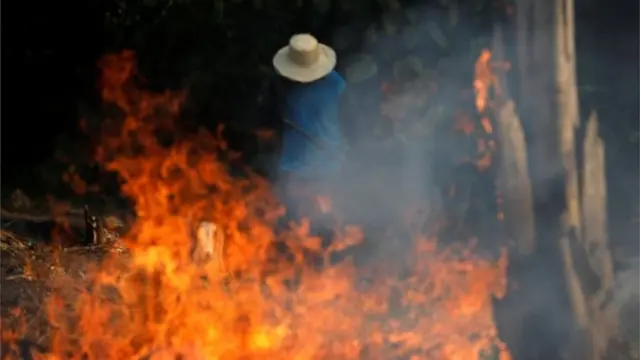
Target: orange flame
column 484, row 79
column 157, row 302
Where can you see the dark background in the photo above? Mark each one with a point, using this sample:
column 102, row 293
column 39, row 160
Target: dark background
column 49, row 53
column 220, row 50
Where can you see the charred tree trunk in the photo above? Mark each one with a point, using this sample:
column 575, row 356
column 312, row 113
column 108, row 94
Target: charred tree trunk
column 594, row 202
column 568, row 120
column 514, row 184
column 514, row 178
column 513, row 173
column 594, row 238
column 546, row 58
column 543, row 78
column 574, row 221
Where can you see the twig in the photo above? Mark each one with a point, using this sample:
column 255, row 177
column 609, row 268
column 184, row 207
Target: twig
column 20, row 276
column 10, row 242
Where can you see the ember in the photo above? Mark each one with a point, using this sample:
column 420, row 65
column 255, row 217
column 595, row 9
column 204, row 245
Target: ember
column 158, row 303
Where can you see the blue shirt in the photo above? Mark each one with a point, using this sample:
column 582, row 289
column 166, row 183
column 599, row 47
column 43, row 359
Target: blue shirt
column 314, row 108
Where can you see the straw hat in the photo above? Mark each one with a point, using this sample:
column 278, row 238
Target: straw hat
column 304, row 59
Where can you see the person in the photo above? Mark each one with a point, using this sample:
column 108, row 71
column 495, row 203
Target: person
column 313, row 145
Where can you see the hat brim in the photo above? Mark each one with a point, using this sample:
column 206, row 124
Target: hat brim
column 287, row 68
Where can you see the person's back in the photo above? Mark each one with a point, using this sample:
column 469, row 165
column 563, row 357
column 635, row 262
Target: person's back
column 313, row 143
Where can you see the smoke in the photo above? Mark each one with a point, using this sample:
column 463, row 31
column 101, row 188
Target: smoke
column 407, row 76
column 410, row 76
column 622, row 311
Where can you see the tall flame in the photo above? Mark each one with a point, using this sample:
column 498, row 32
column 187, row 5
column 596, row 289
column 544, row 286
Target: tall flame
column 157, row 303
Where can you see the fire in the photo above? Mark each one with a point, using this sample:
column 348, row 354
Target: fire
column 156, row 302
column 484, row 79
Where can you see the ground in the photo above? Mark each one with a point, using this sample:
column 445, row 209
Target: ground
column 27, row 273
column 30, row 270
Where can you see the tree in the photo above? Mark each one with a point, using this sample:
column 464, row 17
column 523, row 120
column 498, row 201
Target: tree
column 549, row 103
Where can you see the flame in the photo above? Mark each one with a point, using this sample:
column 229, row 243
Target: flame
column 486, row 125
column 157, row 302
column 484, row 79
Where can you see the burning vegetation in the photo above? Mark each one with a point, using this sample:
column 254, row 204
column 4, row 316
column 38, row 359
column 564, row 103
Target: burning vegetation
column 266, row 294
